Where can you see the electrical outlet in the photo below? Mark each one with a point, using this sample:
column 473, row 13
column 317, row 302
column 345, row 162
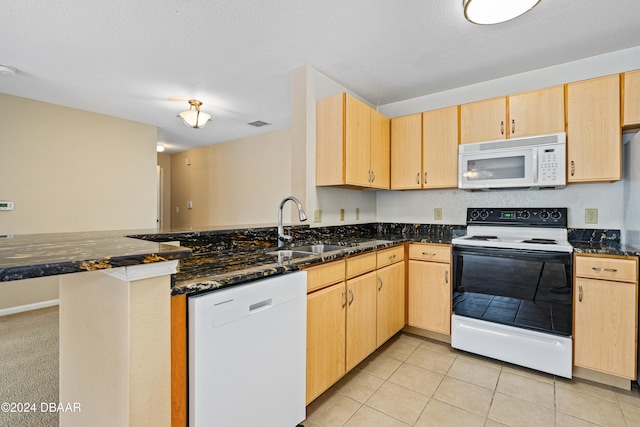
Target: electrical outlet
column 357, row 213
column 189, row 204
column 178, row 209
column 591, row 216
column 341, row 214
column 317, row 215
column 437, row 214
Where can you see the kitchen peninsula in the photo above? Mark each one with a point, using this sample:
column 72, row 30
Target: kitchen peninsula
column 115, row 309
column 114, row 321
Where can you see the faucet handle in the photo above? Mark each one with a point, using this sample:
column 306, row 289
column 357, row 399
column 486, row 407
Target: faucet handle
column 286, row 238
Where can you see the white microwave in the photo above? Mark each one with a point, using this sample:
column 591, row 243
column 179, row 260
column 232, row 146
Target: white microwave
column 523, row 163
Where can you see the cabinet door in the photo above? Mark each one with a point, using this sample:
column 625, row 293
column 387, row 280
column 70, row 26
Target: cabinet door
column 605, row 326
column 380, row 150
column 326, row 321
column 429, row 296
column 357, row 142
column 537, row 112
column 631, row 101
column 361, row 318
column 440, row 148
column 330, row 140
column 594, row 141
column 406, row 152
column 390, row 316
column 483, row 120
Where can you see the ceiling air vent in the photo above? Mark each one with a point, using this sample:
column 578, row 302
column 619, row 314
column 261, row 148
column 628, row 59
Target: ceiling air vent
column 258, row 123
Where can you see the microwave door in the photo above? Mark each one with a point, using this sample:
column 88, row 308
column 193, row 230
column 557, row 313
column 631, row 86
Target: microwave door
column 512, row 168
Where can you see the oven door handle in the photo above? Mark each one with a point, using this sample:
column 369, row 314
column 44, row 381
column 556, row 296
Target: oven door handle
column 511, row 253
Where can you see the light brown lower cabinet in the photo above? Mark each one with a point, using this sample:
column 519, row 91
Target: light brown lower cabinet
column 351, row 314
column 605, row 315
column 326, row 343
column 429, row 289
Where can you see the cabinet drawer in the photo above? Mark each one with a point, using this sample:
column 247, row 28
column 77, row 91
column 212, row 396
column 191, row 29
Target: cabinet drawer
column 361, row 264
column 624, row 270
column 430, row 253
column 324, row 275
column 390, row 256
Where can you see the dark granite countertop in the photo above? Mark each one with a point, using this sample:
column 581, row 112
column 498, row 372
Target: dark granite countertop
column 212, row 259
column 37, row 255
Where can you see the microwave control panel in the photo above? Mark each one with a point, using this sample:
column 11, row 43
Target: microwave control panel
column 550, row 162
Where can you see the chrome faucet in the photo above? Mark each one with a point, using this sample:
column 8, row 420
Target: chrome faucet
column 303, row 217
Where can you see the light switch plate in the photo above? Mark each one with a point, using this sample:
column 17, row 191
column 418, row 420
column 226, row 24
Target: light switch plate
column 591, row 216
column 317, row 215
column 437, row 214
column 357, row 213
column 341, row 214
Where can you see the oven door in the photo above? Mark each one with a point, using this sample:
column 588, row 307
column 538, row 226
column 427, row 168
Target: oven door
column 515, row 287
column 515, row 306
column 498, row 169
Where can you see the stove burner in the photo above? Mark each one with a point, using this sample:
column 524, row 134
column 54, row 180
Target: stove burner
column 541, row 241
column 481, row 238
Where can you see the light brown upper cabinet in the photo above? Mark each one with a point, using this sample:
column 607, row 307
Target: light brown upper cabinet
column 352, row 144
column 631, row 99
column 406, row 152
column 536, row 112
column 594, row 141
column 424, row 150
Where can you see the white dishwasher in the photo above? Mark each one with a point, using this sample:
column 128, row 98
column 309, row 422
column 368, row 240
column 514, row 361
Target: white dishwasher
column 247, row 354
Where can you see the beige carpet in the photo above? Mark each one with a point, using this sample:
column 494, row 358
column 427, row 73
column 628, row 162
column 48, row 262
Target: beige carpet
column 29, row 366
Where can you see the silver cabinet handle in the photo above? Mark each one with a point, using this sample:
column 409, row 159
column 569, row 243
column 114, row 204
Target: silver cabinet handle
column 392, row 257
column 502, row 127
column 446, row 276
column 573, row 167
column 380, row 281
column 344, row 298
column 373, row 176
column 370, row 174
column 418, row 178
column 352, row 296
column 425, row 177
column 580, row 293
column 513, row 126
column 610, row 270
column 429, row 253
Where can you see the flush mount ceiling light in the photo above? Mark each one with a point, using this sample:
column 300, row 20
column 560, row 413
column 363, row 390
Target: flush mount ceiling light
column 193, row 117
column 160, row 148
column 496, row 11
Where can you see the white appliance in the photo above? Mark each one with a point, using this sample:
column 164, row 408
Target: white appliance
column 247, row 354
column 512, row 288
column 531, row 163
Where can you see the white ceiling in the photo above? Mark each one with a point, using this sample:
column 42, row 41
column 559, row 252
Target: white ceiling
column 141, row 60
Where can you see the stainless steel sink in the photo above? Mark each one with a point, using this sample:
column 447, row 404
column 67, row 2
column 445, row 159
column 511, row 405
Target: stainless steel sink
column 286, row 253
column 319, row 249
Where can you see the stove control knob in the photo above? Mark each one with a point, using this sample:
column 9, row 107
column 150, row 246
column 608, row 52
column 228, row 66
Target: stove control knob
column 484, row 214
column 556, row 215
column 544, row 215
column 525, row 214
column 475, row 214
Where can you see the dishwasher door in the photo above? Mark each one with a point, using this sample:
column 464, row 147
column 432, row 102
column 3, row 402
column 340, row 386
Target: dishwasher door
column 247, row 354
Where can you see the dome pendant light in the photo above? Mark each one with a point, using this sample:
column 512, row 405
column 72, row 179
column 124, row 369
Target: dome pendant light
column 193, row 117
column 496, row 11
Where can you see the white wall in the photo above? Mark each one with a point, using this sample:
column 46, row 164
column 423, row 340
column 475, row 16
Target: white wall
column 236, row 183
column 608, row 198
column 72, row 170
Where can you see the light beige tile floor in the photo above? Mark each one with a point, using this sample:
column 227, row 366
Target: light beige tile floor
column 414, row 381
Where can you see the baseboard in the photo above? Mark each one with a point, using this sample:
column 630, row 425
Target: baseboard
column 427, row 334
column 28, row 307
column 601, row 378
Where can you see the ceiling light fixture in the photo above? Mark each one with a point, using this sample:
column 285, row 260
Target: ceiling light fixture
column 496, row 11
column 193, row 117
column 160, row 148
